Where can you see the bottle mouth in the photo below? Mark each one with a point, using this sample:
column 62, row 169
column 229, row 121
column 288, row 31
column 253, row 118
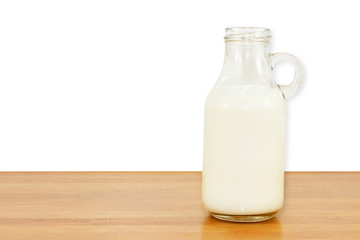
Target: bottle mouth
column 247, row 34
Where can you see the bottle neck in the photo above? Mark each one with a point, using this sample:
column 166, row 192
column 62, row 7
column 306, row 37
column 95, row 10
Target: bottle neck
column 246, row 63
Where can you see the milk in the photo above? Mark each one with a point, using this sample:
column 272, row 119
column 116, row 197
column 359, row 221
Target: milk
column 243, row 167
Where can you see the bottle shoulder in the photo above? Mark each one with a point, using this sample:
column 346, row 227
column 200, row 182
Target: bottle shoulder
column 246, row 96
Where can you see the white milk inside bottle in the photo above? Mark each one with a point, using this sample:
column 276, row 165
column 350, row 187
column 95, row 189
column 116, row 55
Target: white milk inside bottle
column 243, row 167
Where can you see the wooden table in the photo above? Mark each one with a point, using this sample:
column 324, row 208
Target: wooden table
column 167, row 205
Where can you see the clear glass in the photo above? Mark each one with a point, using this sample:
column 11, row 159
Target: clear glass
column 244, row 130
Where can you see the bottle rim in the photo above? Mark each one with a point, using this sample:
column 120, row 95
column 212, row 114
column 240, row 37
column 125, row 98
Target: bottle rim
column 256, row 34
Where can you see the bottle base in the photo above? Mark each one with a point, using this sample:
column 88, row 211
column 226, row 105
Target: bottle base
column 245, row 218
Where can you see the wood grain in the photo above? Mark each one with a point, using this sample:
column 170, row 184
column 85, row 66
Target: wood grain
column 167, row 205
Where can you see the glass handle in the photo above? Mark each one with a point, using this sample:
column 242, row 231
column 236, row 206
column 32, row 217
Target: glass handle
column 293, row 87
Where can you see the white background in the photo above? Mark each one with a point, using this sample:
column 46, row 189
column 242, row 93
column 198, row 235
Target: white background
column 121, row 85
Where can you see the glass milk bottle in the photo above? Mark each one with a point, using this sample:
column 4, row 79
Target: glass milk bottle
column 244, row 130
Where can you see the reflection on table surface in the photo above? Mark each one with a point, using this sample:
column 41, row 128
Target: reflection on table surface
column 216, row 229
